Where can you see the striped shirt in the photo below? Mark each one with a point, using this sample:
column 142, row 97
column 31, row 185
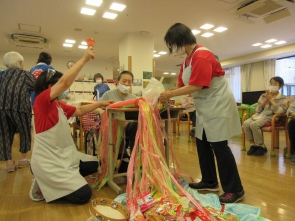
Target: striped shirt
column 15, row 87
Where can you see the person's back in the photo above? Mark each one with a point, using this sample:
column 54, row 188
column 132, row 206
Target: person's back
column 43, row 64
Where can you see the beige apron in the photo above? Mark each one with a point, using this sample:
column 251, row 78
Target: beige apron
column 216, row 110
column 55, row 161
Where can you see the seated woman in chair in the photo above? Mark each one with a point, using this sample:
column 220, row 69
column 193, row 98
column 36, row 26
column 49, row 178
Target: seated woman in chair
column 270, row 103
column 291, row 130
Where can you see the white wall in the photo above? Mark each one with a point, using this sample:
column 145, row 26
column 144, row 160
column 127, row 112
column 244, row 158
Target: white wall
column 60, row 63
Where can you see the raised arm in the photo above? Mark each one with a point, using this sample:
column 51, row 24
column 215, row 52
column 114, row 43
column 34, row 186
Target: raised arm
column 68, row 78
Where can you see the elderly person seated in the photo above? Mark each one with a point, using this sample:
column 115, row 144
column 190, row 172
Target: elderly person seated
column 270, row 103
column 15, row 109
column 291, row 130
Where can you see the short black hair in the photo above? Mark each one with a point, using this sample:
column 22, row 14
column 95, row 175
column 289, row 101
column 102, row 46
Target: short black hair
column 98, row 75
column 44, row 57
column 179, row 35
column 42, row 83
column 125, row 72
column 278, row 79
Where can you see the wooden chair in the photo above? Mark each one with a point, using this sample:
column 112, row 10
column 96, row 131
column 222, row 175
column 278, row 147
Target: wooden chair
column 274, row 130
column 188, row 122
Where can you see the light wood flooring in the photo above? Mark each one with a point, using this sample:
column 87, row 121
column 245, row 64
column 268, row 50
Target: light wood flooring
column 269, row 183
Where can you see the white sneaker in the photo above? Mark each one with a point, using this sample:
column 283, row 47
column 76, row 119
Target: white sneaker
column 35, row 191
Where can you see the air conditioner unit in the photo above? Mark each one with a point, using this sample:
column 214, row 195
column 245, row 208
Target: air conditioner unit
column 29, row 41
column 263, row 8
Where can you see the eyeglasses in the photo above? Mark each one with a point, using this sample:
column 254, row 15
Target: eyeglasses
column 50, row 73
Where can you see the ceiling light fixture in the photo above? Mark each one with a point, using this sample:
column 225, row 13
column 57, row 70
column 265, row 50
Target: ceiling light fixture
column 83, row 43
column 220, row 29
column 257, row 44
column 117, row 7
column 266, row 46
column 109, row 15
column 155, row 51
column 96, row 3
column 83, row 46
column 166, row 73
column 207, row 34
column 88, row 11
column 162, row 52
column 280, row 42
column 271, row 40
column 67, row 45
column 207, row 26
column 70, row 41
column 195, row 32
column 173, row 73
column 156, row 55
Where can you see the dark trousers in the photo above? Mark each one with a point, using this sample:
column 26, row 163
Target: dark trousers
column 192, row 116
column 9, row 122
column 83, row 194
column 130, row 133
column 227, row 167
column 291, row 130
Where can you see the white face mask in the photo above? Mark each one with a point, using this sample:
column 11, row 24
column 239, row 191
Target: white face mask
column 98, row 81
column 124, row 89
column 178, row 51
column 273, row 89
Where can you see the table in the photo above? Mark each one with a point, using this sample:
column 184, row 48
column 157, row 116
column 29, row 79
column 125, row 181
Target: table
column 131, row 115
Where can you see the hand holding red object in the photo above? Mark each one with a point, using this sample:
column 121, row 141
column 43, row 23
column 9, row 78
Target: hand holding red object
column 90, row 42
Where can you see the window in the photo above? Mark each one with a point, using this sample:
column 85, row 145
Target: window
column 233, row 76
column 285, row 68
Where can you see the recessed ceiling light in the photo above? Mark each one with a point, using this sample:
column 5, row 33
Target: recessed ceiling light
column 173, row 73
column 88, row 11
column 220, row 29
column 94, row 2
column 195, row 32
column 83, row 46
column 256, row 44
column 271, row 40
column 266, row 46
column 67, row 45
column 83, row 43
column 207, row 26
column 70, row 41
column 166, row 73
column 280, row 42
column 117, row 7
column 155, row 51
column 162, row 52
column 156, row 55
column 109, row 15
column 207, row 34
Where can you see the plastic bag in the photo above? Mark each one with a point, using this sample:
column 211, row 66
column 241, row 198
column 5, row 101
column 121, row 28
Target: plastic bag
column 152, row 91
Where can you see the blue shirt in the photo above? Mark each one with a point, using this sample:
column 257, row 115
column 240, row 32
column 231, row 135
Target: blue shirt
column 101, row 89
column 36, row 71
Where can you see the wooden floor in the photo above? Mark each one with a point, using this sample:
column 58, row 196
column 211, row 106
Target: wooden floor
column 269, row 183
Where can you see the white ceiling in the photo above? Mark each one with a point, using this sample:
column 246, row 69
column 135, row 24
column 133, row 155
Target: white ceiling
column 59, row 18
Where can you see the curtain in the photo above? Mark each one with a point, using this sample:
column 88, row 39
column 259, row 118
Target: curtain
column 233, row 76
column 246, row 72
column 269, row 67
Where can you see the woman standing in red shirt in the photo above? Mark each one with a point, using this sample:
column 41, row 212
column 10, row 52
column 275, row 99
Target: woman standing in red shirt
column 217, row 116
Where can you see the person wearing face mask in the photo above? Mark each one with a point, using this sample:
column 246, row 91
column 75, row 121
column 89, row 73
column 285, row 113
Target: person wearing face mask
column 58, row 168
column 15, row 109
column 100, row 88
column 125, row 80
column 217, row 117
column 270, row 103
